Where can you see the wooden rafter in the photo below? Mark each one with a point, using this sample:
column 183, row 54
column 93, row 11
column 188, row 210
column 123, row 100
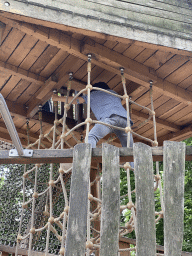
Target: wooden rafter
column 24, row 74
column 74, row 47
column 162, row 123
column 21, row 132
column 16, row 109
column 177, row 136
column 136, row 72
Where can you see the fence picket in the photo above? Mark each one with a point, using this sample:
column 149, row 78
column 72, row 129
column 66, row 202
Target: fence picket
column 145, row 213
column 174, row 170
column 77, row 223
column 110, row 201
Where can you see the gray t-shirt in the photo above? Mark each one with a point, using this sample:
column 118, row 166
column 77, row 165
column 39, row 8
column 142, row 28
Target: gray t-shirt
column 104, row 105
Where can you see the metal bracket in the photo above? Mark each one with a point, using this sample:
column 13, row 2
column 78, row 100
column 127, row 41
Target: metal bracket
column 26, row 153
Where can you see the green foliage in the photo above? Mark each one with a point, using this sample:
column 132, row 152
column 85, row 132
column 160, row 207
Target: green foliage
column 187, row 239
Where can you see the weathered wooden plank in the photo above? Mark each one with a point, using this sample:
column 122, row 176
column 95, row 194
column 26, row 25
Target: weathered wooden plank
column 113, row 21
column 11, row 250
column 158, row 247
column 145, row 205
column 66, row 155
column 77, row 220
column 174, row 171
column 110, row 214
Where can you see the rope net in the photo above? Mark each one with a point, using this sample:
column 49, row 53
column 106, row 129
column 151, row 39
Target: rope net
column 37, row 208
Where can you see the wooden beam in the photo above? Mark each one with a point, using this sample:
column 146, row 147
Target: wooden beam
column 46, row 88
column 162, row 123
column 34, row 102
column 158, row 247
column 11, row 250
column 183, row 134
column 21, row 132
column 66, row 155
column 16, row 109
column 13, row 20
column 22, row 73
column 114, row 60
column 135, row 71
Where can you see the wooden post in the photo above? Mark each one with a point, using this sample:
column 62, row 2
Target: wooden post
column 77, row 222
column 110, row 213
column 70, row 111
column 145, row 205
column 174, row 171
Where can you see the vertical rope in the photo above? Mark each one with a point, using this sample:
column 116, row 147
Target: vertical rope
column 40, row 119
column 88, row 220
column 155, row 143
column 126, row 97
column 28, row 138
column 55, row 104
column 66, row 209
column 66, row 108
column 160, row 186
column 89, row 87
column 35, row 195
column 51, row 184
column 22, row 211
column 127, row 168
column 153, row 113
column 41, row 126
column 51, row 219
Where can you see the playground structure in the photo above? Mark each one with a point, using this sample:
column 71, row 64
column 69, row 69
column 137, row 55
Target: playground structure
column 64, row 209
column 86, row 222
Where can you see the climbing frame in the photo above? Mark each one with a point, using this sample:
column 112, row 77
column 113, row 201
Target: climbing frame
column 58, row 218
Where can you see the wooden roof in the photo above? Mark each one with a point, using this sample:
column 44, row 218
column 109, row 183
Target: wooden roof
column 35, row 59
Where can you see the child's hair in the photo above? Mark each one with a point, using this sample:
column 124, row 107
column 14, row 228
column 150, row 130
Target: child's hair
column 101, row 85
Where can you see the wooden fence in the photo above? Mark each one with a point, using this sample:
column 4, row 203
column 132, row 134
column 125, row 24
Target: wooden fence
column 174, row 169
column 174, row 154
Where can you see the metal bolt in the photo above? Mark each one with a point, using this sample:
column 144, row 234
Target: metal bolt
column 7, row 4
column 122, row 70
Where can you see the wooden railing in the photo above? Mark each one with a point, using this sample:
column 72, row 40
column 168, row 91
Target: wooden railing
column 173, row 155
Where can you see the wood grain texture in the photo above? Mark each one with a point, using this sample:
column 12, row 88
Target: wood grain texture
column 126, row 19
column 77, row 220
column 174, row 172
column 110, row 213
column 145, row 204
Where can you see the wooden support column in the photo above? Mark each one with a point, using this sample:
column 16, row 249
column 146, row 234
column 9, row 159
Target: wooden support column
column 110, row 201
column 77, row 220
column 174, row 172
column 70, row 111
column 145, row 204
